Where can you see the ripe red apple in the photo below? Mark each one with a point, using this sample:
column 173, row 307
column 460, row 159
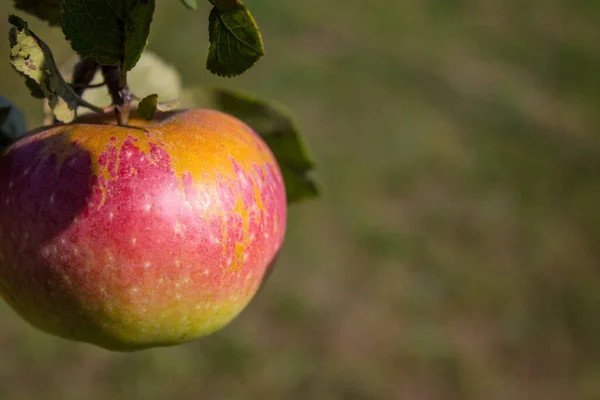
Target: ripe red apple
column 141, row 236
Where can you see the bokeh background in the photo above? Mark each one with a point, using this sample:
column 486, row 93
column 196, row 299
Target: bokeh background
column 455, row 251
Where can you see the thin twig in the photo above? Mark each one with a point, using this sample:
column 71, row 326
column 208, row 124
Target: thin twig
column 85, row 87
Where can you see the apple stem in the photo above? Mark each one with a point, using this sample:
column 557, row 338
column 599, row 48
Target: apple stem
column 119, row 92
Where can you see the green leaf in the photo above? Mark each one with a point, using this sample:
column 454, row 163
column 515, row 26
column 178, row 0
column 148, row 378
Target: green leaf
column 94, row 28
column 18, row 23
column 137, row 29
column 276, row 128
column 34, row 89
column 108, row 31
column 32, row 58
column 47, row 10
column 191, row 4
column 147, row 107
column 225, row 5
column 235, row 41
column 12, row 122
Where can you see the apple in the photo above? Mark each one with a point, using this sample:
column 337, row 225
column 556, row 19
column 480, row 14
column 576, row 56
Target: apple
column 131, row 237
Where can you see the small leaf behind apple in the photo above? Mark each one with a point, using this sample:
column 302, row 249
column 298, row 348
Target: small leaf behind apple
column 276, row 128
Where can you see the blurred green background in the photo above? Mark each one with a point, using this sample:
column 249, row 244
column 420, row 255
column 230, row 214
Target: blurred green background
column 455, row 251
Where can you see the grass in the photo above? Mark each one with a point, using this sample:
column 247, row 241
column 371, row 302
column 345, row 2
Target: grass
column 453, row 254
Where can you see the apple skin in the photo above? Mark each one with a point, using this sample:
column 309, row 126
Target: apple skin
column 137, row 237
